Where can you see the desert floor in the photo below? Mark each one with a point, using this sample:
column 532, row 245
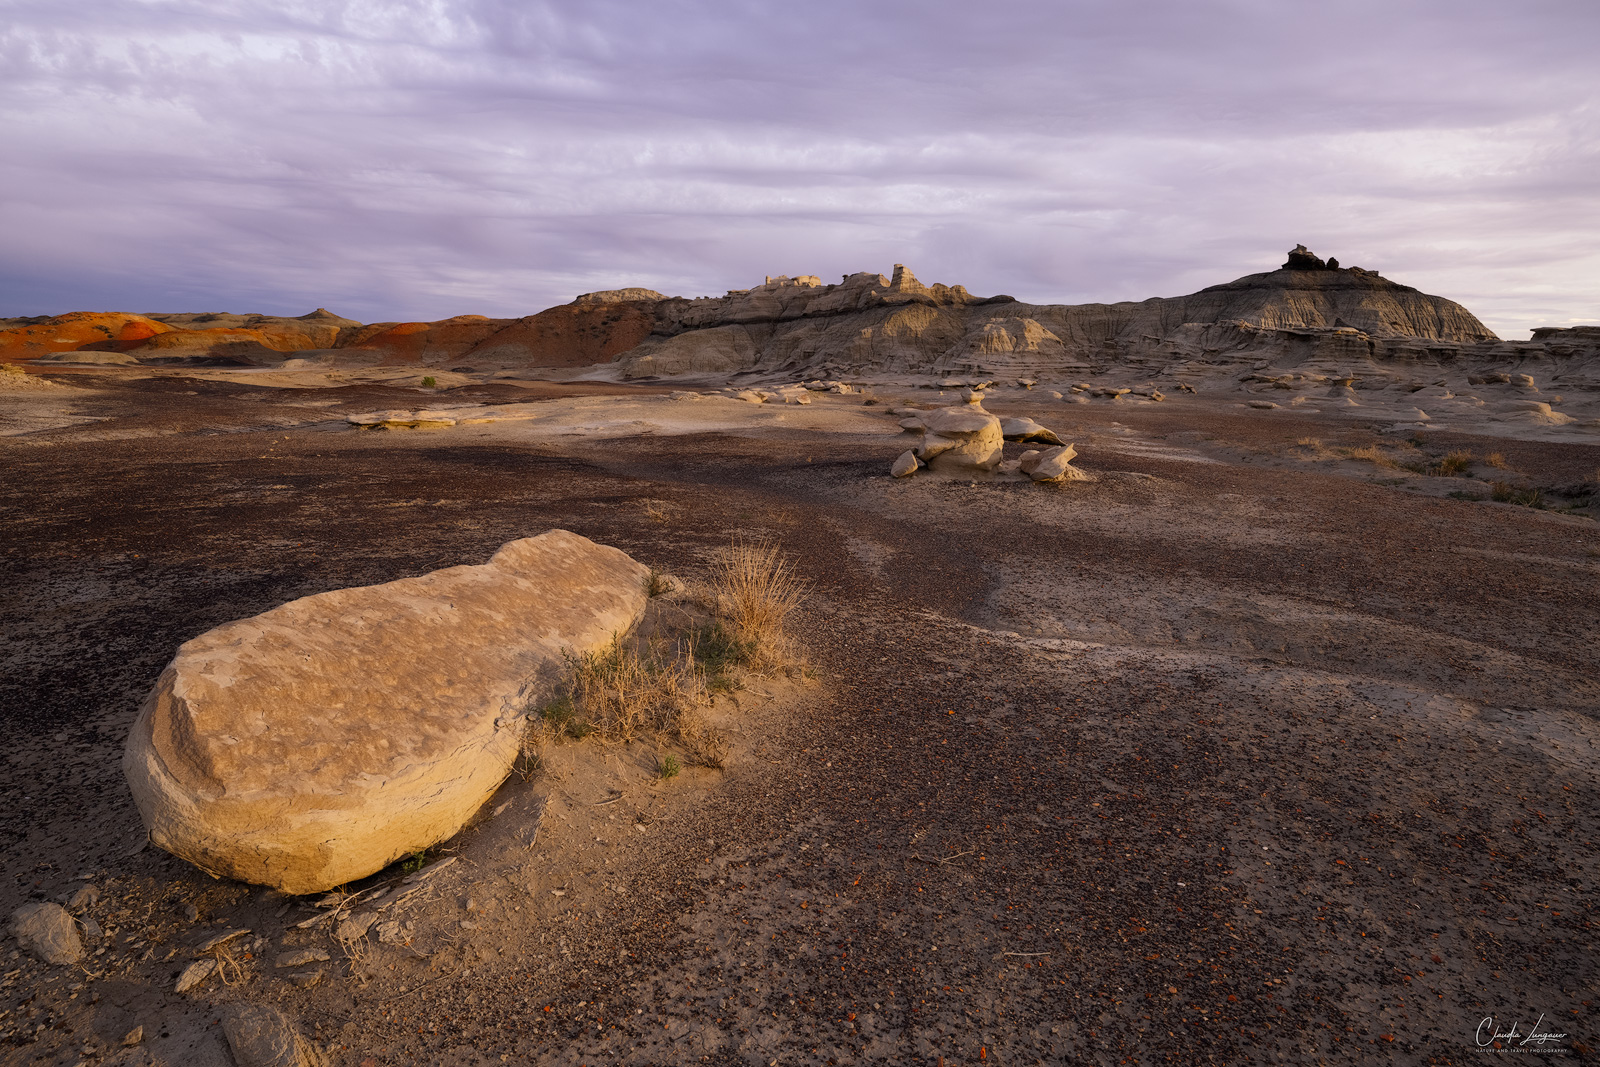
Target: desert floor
column 1244, row 751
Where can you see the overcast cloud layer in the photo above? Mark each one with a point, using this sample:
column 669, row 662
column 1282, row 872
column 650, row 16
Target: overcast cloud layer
column 412, row 159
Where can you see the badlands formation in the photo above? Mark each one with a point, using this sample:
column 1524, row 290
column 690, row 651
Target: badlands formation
column 1311, row 333
column 1200, row 679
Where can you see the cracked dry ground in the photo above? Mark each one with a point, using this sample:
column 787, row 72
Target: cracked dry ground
column 1195, row 763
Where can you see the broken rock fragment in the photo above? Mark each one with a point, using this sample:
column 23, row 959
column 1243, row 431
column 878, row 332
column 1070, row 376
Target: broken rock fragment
column 47, row 932
column 260, row 1035
column 1051, row 465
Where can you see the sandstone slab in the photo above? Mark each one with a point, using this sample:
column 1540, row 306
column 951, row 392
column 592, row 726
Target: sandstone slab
column 320, row 741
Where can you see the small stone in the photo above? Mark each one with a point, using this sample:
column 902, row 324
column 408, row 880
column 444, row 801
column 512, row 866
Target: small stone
column 1264, row 405
column 300, row 957
column 222, row 938
column 262, row 1036
column 389, row 933
column 194, row 974
column 91, row 929
column 86, row 897
column 191, row 913
column 133, row 1037
column 307, row 979
column 48, row 932
column 355, row 927
column 906, row 465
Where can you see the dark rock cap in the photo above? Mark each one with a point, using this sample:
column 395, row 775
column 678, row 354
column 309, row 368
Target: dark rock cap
column 1301, row 259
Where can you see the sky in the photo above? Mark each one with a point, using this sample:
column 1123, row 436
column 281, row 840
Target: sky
column 415, row 159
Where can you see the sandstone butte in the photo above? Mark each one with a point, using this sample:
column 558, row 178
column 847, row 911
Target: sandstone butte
column 322, row 740
column 864, row 324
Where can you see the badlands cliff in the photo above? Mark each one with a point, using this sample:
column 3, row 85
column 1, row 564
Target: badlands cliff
column 864, row 325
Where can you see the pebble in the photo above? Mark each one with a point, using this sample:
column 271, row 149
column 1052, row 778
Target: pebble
column 194, row 974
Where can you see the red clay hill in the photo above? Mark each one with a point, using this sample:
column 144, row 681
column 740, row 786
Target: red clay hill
column 595, row 328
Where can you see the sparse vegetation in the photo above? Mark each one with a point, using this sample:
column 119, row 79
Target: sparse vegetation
column 1368, row 454
column 632, row 687
column 1506, row 493
column 1496, row 460
column 658, row 583
column 654, row 511
column 1456, row 462
column 619, row 693
column 668, row 766
column 757, row 590
column 430, row 382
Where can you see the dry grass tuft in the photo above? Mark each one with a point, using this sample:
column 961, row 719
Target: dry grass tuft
column 1455, row 462
column 757, row 589
column 1497, row 461
column 1369, row 454
column 621, row 693
column 1506, row 493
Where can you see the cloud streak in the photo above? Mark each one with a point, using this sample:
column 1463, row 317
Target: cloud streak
column 433, row 157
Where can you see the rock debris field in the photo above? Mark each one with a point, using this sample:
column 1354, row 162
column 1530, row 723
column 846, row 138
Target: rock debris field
column 1269, row 739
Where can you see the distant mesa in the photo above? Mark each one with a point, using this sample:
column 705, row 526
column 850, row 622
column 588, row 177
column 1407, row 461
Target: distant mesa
column 866, row 323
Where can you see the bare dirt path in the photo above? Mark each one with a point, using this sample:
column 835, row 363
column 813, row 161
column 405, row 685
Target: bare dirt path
column 1201, row 762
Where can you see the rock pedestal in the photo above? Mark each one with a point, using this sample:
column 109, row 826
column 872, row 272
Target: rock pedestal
column 320, row 741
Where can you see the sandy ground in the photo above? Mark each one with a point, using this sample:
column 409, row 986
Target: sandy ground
column 1245, row 751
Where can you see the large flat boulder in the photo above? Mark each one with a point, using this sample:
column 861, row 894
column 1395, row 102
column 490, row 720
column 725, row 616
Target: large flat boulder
column 320, row 741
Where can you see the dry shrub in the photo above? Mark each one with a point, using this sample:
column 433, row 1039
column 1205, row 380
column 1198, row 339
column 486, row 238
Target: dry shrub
column 1497, row 461
column 756, row 590
column 1370, row 454
column 1455, row 462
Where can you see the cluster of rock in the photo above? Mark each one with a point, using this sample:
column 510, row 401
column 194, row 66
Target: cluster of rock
column 322, row 740
column 964, row 440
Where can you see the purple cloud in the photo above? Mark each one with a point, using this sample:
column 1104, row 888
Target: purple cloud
column 418, row 159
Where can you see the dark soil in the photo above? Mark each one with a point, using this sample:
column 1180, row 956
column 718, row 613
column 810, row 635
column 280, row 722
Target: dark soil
column 1225, row 762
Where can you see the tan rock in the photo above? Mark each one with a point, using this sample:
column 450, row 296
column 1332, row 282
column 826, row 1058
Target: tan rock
column 1027, row 430
column 905, row 466
column 194, row 974
column 1051, row 465
column 260, row 1035
column 47, row 932
column 962, row 439
column 318, row 742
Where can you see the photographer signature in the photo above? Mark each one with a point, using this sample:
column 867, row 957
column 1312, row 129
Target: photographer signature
column 1488, row 1033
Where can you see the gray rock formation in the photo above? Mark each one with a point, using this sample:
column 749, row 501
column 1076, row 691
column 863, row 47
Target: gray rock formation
column 871, row 324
